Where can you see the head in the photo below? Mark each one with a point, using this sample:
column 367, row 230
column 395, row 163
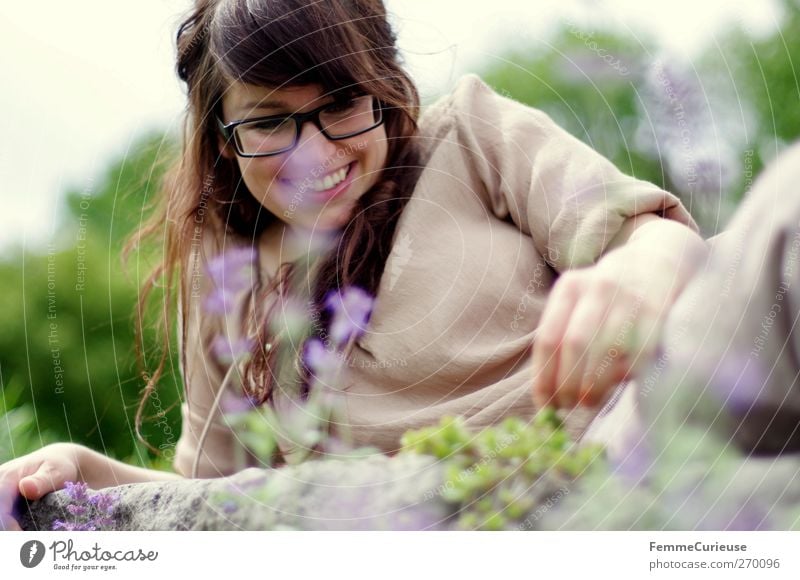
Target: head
column 250, row 59
column 316, row 182
column 247, row 59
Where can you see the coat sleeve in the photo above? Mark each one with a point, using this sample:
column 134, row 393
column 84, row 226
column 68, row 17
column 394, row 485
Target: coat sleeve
column 570, row 199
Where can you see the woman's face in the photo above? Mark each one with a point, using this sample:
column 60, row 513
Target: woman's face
column 316, row 184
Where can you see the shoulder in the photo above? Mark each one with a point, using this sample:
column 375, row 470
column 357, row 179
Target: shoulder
column 462, row 94
column 473, row 105
column 443, row 112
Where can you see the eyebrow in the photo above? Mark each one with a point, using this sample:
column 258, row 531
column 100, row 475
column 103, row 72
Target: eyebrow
column 264, row 105
column 278, row 104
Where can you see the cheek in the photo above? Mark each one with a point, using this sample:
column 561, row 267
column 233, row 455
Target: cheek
column 260, row 177
column 258, row 174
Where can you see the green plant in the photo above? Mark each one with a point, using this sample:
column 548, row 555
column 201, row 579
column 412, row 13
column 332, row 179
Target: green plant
column 20, row 433
column 501, row 475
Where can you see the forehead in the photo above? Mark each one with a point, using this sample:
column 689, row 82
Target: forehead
column 241, row 98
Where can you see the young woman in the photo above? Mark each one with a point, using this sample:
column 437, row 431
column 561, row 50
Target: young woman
column 512, row 266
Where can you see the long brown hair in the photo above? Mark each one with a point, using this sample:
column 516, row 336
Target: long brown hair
column 337, row 45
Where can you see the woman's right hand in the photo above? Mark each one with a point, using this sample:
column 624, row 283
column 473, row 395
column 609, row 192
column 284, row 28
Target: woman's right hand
column 35, row 475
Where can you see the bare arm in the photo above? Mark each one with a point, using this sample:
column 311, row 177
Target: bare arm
column 99, row 471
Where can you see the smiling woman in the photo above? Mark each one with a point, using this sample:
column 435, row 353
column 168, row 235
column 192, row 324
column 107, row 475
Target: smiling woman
column 314, row 128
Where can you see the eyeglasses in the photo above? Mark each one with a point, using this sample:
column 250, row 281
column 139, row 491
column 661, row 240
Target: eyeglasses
column 265, row 136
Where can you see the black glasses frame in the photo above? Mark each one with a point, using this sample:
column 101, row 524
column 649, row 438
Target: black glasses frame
column 300, row 119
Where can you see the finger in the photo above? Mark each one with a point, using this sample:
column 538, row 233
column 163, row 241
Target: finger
column 607, row 364
column 646, row 338
column 30, row 488
column 586, row 337
column 634, row 348
column 551, row 329
column 596, row 387
column 44, row 480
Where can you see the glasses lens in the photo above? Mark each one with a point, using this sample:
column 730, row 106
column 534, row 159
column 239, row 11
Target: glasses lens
column 264, row 137
column 355, row 115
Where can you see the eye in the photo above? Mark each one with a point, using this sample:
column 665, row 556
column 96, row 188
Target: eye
column 267, row 124
column 341, row 106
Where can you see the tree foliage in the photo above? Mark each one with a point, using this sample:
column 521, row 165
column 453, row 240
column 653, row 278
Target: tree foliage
column 68, row 315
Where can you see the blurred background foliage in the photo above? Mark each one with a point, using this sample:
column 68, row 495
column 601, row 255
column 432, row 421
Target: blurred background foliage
column 701, row 128
column 67, row 350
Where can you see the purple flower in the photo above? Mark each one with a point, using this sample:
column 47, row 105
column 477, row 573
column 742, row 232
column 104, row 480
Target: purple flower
column 324, row 363
column 77, row 510
column 66, row 526
column 77, row 492
column 104, row 502
column 232, row 273
column 232, row 404
column 351, row 310
column 228, row 351
column 88, row 513
column 74, row 526
column 738, row 382
column 677, row 104
column 232, row 269
column 229, row 506
column 101, row 523
column 748, row 516
column 634, row 463
column 221, row 301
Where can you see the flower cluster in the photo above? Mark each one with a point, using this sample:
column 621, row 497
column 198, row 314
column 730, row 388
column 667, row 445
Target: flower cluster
column 685, row 130
column 302, row 426
column 89, row 511
column 350, row 311
column 232, row 274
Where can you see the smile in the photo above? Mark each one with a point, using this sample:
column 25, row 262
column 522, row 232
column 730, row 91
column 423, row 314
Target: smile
column 324, row 188
column 323, row 183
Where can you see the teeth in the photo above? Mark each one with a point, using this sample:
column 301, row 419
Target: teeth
column 329, row 181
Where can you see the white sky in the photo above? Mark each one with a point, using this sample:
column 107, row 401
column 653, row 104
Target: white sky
column 84, row 78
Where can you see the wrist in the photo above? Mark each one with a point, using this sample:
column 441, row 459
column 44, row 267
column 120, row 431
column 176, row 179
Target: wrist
column 84, row 460
column 676, row 247
column 670, row 238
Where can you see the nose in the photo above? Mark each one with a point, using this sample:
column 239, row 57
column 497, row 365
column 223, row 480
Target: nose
column 313, row 148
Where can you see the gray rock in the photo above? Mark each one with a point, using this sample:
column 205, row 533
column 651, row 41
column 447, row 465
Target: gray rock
column 376, row 493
